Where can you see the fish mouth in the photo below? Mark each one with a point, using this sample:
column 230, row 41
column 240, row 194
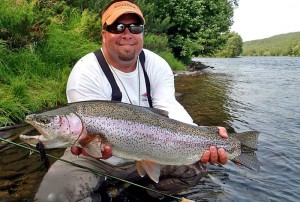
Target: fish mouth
column 31, row 120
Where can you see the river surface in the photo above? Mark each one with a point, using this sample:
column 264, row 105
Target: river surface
column 247, row 93
column 250, row 93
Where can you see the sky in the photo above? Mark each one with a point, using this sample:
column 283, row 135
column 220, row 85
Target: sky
column 258, row 19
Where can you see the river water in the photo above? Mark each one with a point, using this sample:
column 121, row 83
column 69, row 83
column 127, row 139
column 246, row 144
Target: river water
column 250, row 93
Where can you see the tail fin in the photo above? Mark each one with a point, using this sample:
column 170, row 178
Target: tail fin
column 248, row 139
column 248, row 157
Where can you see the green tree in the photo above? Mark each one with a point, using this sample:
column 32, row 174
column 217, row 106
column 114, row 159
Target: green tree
column 195, row 27
column 233, row 47
column 154, row 25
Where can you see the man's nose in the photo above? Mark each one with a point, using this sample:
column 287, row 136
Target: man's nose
column 127, row 33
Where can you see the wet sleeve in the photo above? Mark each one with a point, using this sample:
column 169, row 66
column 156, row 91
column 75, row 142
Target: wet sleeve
column 178, row 178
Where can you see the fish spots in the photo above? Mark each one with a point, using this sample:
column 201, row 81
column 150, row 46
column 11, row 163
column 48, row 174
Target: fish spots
column 134, row 132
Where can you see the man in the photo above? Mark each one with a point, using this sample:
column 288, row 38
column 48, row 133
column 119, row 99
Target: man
column 122, row 42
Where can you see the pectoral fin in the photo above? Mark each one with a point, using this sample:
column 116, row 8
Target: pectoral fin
column 140, row 169
column 151, row 168
column 93, row 145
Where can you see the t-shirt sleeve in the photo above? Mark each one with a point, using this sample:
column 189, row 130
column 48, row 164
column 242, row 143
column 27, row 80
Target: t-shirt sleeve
column 86, row 82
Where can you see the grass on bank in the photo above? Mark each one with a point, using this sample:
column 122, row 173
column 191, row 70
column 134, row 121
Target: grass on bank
column 35, row 61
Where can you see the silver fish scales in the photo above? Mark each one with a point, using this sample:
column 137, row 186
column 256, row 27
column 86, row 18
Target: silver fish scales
column 145, row 135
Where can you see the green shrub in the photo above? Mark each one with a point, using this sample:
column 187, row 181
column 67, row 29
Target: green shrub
column 173, row 62
column 159, row 44
column 18, row 23
column 156, row 43
column 66, row 43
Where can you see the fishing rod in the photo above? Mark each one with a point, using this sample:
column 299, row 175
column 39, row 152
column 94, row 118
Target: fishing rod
column 95, row 171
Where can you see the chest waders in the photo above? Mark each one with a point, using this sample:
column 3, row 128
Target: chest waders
column 116, row 93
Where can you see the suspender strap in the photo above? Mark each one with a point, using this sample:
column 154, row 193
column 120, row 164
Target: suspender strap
column 116, row 93
column 142, row 60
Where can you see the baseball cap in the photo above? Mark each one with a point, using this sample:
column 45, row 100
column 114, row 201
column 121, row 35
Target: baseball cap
column 120, row 8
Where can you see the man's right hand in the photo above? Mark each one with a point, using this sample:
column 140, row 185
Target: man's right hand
column 214, row 155
column 106, row 153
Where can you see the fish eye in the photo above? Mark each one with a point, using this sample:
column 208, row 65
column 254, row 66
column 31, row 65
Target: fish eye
column 44, row 120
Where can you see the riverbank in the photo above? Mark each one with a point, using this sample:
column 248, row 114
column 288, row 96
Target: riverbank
column 195, row 68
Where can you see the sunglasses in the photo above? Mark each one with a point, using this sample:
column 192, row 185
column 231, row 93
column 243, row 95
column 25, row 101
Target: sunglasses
column 119, row 28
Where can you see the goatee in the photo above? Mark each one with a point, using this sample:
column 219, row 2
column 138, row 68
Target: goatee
column 126, row 56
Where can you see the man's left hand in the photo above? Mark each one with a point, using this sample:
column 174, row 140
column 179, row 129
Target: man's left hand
column 107, row 153
column 214, row 155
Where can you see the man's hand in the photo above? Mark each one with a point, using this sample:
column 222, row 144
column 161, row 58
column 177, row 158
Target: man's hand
column 213, row 155
column 106, row 153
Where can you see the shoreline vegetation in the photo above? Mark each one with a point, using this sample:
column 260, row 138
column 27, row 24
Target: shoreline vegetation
column 40, row 42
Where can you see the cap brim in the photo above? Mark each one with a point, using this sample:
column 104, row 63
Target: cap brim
column 116, row 15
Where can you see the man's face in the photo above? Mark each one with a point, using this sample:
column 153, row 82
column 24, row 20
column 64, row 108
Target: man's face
column 125, row 46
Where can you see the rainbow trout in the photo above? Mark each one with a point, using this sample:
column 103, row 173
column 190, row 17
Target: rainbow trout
column 145, row 135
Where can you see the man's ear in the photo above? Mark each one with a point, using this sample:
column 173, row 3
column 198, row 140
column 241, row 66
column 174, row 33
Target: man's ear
column 103, row 34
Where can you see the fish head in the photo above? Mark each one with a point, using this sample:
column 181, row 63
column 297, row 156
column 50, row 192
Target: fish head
column 66, row 128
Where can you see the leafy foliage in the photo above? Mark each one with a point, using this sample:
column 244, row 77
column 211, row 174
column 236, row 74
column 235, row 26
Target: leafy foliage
column 18, row 30
column 195, row 26
column 279, row 45
column 93, row 5
column 233, row 47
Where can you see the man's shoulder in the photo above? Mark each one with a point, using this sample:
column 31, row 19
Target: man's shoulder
column 87, row 60
column 89, row 57
column 87, row 65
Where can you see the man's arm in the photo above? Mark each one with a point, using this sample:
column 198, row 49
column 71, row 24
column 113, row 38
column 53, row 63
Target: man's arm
column 163, row 95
